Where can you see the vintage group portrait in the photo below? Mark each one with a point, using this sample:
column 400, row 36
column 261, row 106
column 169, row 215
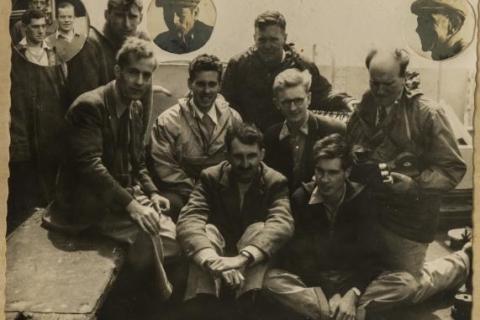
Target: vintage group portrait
column 240, row 159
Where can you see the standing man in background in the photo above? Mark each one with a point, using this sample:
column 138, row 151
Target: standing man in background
column 93, row 65
column 249, row 76
column 66, row 41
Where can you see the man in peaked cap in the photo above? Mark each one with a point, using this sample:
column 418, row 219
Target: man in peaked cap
column 185, row 32
column 439, row 26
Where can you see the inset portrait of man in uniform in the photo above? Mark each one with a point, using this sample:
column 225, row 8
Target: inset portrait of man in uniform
column 189, row 24
column 444, row 27
column 48, row 32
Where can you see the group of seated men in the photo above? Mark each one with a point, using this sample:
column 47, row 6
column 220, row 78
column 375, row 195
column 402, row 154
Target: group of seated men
column 267, row 211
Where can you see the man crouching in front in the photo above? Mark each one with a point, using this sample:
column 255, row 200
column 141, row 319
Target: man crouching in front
column 237, row 217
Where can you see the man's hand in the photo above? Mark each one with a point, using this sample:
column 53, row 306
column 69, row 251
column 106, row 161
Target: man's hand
column 160, row 203
column 402, row 183
column 233, row 278
column 146, row 217
column 347, row 309
column 333, row 303
column 227, row 263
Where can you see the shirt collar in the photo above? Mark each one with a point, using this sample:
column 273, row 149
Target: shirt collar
column 24, row 43
column 285, row 132
column 212, row 113
column 120, row 105
column 69, row 37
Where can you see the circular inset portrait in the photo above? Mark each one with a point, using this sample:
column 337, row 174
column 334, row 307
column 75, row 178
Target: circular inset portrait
column 48, row 32
column 181, row 26
column 440, row 29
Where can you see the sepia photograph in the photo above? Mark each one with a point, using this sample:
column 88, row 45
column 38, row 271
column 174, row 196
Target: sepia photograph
column 241, row 159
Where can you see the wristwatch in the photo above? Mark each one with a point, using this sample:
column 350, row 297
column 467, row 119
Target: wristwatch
column 247, row 255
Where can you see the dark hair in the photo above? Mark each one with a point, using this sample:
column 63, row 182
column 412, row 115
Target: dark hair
column 205, row 62
column 332, row 147
column 32, row 14
column 270, row 18
column 136, row 47
column 400, row 55
column 246, row 133
column 66, row 4
column 124, row 4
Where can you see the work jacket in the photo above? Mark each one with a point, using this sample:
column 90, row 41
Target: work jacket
column 420, row 127
column 179, row 150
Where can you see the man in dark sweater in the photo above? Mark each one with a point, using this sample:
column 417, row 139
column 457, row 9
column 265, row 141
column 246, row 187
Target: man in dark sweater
column 247, row 84
column 332, row 269
column 289, row 144
column 330, row 261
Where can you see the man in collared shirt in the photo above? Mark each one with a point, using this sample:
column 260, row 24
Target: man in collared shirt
column 185, row 32
column 289, row 143
column 189, row 136
column 18, row 29
column 249, row 76
column 235, row 221
column 65, row 40
column 329, row 262
column 33, row 46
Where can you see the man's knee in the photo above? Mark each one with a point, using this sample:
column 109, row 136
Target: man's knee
column 389, row 290
column 279, row 281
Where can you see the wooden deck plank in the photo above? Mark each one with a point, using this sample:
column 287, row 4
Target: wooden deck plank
column 51, row 274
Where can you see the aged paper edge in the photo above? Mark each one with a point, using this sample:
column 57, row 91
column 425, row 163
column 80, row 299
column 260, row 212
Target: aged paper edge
column 5, row 52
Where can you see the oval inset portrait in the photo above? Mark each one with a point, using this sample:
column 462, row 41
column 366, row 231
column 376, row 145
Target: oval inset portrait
column 181, row 26
column 444, row 28
column 48, row 32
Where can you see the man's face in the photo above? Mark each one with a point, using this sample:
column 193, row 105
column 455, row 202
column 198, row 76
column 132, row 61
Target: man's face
column 36, row 30
column 330, row 177
column 386, row 83
column 38, row 5
column 245, row 160
column 123, row 22
column 66, row 17
column 432, row 30
column 179, row 19
column 205, row 88
column 293, row 103
column 270, row 42
column 135, row 78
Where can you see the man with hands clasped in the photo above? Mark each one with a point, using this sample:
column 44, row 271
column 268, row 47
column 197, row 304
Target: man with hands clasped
column 236, row 219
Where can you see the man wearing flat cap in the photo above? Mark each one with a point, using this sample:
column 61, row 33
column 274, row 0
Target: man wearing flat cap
column 439, row 26
column 185, row 32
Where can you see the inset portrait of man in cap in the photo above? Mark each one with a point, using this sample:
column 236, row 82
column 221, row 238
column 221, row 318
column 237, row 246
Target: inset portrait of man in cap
column 186, row 33
column 442, row 26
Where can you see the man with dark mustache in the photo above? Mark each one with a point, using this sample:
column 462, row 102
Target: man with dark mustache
column 189, row 136
column 236, row 219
